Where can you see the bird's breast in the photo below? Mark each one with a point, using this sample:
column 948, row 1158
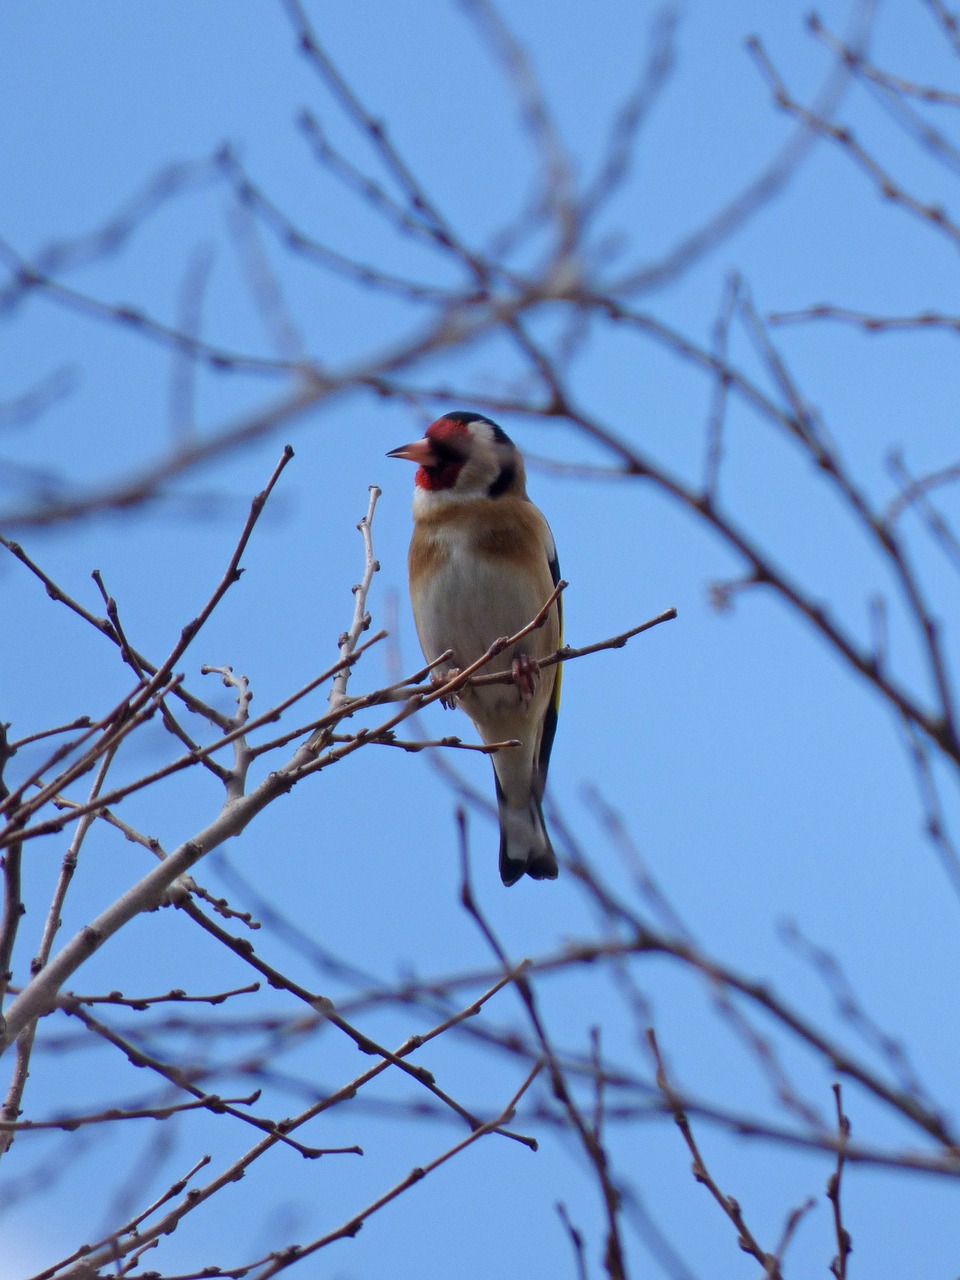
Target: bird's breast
column 470, row 586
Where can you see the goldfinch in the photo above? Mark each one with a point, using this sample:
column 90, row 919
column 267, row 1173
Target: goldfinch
column 482, row 565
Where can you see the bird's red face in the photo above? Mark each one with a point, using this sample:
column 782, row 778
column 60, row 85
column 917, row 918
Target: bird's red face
column 441, row 453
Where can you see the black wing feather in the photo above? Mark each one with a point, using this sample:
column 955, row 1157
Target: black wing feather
column 550, row 720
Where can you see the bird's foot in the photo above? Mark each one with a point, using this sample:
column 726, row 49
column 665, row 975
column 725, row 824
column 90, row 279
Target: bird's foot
column 438, row 678
column 526, row 672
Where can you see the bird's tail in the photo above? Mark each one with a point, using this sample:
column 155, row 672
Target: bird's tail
column 524, row 843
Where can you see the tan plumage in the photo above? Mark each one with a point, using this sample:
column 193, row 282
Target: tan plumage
column 482, row 564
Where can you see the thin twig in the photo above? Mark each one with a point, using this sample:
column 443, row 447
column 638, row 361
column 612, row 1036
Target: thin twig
column 26, row 1036
column 294, row 1253
column 614, row 1256
column 360, row 621
column 745, row 1237
column 844, row 1244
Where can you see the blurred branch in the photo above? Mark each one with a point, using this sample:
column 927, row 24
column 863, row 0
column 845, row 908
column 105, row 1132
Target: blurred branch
column 933, row 215
column 32, row 404
column 867, row 321
column 722, row 225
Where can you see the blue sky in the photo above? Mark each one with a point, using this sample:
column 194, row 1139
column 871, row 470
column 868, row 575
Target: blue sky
column 758, row 779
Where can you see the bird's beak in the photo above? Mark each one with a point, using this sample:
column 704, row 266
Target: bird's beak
column 421, row 452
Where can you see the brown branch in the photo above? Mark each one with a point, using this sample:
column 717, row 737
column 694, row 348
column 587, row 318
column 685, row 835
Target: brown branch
column 211, row 1102
column 105, row 628
column 731, row 1207
column 850, row 1010
column 114, row 233
column 772, row 179
column 894, row 84
column 794, row 1218
column 576, row 1241
column 453, row 743
column 949, row 24
column 869, row 321
column 844, row 1244
column 915, row 489
column 30, row 277
column 614, row 1257
column 320, row 1004
column 298, row 242
column 183, row 762
column 128, row 1228
column 131, row 658
column 123, row 720
column 715, row 423
column 81, row 722
column 150, row 691
column 115, row 1248
column 360, row 621
column 294, row 1253
column 618, row 153
column 70, row 999
column 10, row 1109
column 644, row 940
column 10, row 865
column 70, row 1123
column 938, row 723
column 933, row 215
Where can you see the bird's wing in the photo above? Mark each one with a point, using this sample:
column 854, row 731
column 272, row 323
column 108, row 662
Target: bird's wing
column 550, row 719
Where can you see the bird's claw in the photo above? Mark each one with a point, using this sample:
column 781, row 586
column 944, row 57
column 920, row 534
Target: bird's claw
column 438, row 678
column 526, row 672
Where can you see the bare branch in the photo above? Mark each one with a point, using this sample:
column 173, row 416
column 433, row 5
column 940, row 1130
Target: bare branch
column 745, row 1237
column 844, row 1245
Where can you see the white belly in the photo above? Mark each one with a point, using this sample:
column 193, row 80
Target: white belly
column 471, row 602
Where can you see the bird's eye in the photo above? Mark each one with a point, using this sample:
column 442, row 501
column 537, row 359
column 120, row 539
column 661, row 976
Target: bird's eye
column 444, row 453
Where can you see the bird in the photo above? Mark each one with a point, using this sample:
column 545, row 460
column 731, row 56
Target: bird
column 482, row 564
